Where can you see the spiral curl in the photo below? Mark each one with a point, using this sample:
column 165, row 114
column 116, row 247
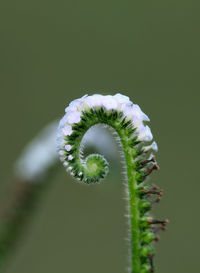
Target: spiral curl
column 127, row 120
column 116, row 111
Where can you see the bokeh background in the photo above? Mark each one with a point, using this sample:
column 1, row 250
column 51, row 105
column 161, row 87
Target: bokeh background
column 52, row 52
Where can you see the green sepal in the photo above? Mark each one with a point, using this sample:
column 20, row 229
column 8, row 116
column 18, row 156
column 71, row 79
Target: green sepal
column 144, row 206
column 147, row 237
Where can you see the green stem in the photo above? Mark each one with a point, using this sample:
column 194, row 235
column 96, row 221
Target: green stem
column 134, row 216
column 133, row 209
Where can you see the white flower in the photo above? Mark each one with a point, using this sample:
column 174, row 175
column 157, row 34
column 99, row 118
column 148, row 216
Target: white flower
column 140, row 113
column 134, row 113
column 144, row 133
column 122, row 101
column 76, row 105
column 109, row 102
column 153, row 147
column 70, row 157
column 68, row 147
column 129, row 112
column 73, row 117
column 93, row 101
column 65, row 163
column 67, row 130
column 121, row 98
column 63, row 121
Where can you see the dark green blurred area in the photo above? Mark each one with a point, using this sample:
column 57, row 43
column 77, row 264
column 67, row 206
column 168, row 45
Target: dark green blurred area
column 52, row 52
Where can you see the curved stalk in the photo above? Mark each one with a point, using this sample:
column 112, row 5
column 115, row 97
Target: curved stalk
column 127, row 120
column 134, row 213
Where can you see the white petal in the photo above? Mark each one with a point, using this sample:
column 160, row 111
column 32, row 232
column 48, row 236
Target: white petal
column 68, row 147
column 121, row 98
column 63, row 121
column 109, row 102
column 73, row 117
column 142, row 114
column 93, row 101
column 70, row 157
column 67, row 130
column 139, row 113
column 144, row 133
column 153, row 147
column 76, row 105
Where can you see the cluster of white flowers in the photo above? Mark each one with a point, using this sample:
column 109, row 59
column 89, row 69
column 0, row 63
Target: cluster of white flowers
column 117, row 102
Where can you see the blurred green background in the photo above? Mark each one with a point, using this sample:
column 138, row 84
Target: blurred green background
column 52, row 52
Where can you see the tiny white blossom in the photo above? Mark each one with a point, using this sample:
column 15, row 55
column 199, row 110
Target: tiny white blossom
column 73, row 117
column 138, row 115
column 144, row 133
column 70, row 157
column 153, row 147
column 62, row 122
column 68, row 147
column 129, row 112
column 67, row 130
column 121, row 98
column 76, row 105
column 109, row 102
column 73, row 106
column 93, row 101
column 134, row 113
column 139, row 112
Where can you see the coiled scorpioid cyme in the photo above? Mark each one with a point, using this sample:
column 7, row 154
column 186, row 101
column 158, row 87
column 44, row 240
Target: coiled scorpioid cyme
column 127, row 120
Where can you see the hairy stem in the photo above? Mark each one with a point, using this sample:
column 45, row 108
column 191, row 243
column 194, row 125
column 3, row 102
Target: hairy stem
column 134, row 215
column 133, row 207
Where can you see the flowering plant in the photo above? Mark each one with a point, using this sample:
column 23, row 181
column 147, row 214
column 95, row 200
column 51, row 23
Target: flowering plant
column 127, row 120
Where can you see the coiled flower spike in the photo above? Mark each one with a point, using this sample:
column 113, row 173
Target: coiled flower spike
column 127, row 120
